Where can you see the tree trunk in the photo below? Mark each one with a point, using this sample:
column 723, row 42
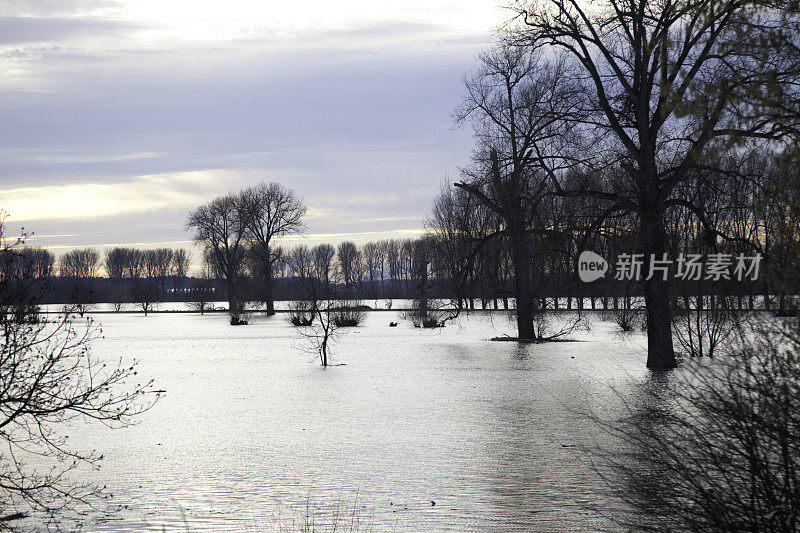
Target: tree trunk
column 522, row 284
column 269, row 297
column 660, row 352
column 233, row 308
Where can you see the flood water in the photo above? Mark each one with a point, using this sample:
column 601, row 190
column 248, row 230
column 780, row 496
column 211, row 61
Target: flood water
column 253, row 434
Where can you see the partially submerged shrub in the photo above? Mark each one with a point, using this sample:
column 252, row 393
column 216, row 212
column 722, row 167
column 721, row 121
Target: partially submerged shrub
column 301, row 320
column 350, row 315
column 301, row 313
column 348, row 318
column 627, row 317
column 434, row 318
column 718, row 447
column 704, row 328
column 433, row 323
column 431, row 314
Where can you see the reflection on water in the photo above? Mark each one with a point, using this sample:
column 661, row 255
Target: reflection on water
column 251, row 429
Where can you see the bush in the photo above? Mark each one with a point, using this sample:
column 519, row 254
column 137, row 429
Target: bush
column 432, row 323
column 301, row 313
column 434, row 315
column 350, row 315
column 704, row 329
column 718, row 447
column 627, row 318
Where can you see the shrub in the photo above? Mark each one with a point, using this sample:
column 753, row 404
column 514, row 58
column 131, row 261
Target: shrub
column 627, row 317
column 301, row 313
column 718, row 448
column 704, row 329
column 350, row 315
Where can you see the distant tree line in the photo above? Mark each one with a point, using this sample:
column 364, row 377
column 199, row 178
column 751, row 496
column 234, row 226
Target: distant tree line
column 141, row 277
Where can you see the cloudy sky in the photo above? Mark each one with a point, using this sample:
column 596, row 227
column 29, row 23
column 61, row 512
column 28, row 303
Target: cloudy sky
column 116, row 118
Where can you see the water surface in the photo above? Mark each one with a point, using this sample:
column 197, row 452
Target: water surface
column 252, row 430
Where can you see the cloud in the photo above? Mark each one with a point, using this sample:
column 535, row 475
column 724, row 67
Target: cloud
column 25, row 30
column 96, row 200
column 51, row 8
column 117, row 120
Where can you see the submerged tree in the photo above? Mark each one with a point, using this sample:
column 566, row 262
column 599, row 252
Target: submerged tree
column 317, row 314
column 220, row 229
column 269, row 210
column 518, row 103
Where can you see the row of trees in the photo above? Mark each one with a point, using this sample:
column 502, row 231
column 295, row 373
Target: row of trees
column 144, row 277
column 650, row 127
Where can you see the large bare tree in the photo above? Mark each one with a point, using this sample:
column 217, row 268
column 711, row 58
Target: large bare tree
column 220, row 229
column 270, row 210
column 349, row 257
column 517, row 102
column 668, row 82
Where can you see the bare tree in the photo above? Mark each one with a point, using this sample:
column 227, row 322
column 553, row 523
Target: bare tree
column 316, row 310
column 349, row 256
column 24, row 274
column 49, row 378
column 321, row 309
column 517, row 102
column 270, row 210
column 219, row 227
column 30, row 269
column 143, row 268
column 452, row 223
column 80, row 266
column 180, row 268
column 37, row 263
column 425, row 313
column 392, row 249
column 322, row 255
column 201, row 294
column 115, row 261
column 372, row 263
column 668, row 83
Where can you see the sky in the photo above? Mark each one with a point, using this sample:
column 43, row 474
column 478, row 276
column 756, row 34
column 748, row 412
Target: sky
column 118, row 118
